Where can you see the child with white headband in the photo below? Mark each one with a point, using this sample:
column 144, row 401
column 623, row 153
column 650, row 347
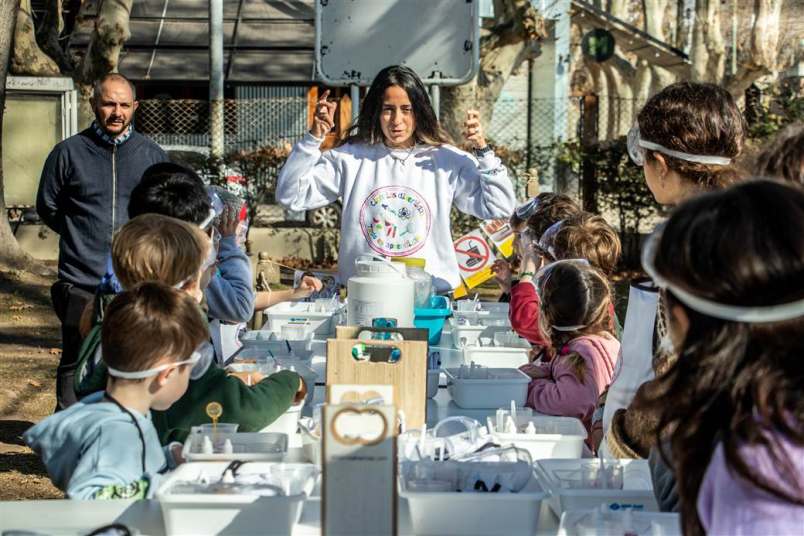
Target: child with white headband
column 730, row 411
column 576, row 318
column 686, row 138
column 106, row 446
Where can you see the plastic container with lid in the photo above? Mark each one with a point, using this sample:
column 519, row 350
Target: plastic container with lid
column 379, row 289
column 422, row 281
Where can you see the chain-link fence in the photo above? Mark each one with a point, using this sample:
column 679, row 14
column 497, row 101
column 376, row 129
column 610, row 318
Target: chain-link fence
column 248, row 123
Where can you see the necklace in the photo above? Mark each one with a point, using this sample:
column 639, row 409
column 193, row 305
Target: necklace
column 401, row 159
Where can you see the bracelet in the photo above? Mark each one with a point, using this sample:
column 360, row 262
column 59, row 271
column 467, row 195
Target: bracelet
column 483, row 151
column 526, row 274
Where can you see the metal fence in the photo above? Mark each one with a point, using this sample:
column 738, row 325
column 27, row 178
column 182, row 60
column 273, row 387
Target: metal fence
column 248, row 123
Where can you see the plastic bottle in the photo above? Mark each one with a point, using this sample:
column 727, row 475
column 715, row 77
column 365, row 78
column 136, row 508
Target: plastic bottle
column 423, row 282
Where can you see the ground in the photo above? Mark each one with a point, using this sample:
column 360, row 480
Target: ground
column 29, row 352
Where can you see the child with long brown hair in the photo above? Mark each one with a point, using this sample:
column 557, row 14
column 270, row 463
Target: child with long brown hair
column 686, row 138
column 730, row 266
column 576, row 317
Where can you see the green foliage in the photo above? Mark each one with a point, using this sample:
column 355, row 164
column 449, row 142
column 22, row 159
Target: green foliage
column 770, row 115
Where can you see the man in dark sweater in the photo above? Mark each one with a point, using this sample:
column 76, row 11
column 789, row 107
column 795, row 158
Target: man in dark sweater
column 83, row 196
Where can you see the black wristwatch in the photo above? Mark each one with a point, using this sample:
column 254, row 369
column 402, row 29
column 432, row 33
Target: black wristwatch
column 483, row 151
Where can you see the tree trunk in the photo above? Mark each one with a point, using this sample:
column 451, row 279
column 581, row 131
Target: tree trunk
column 518, row 26
column 27, row 57
column 103, row 52
column 11, row 254
column 48, row 33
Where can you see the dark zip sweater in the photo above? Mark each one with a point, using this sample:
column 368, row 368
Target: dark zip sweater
column 83, row 196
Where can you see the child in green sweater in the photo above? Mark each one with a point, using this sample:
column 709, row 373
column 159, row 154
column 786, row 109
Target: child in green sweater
column 152, row 247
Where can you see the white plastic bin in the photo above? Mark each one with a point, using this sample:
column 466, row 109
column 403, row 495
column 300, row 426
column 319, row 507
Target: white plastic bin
column 246, row 447
column 556, row 437
column 447, row 357
column 643, row 523
column 285, row 312
column 287, row 423
column 469, row 332
column 637, row 491
column 496, row 356
column 270, row 343
column 453, row 513
column 501, row 386
column 207, row 514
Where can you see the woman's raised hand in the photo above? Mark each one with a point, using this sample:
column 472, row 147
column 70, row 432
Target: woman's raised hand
column 473, row 130
column 324, row 118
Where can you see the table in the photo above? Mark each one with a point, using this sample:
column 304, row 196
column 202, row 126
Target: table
column 65, row 517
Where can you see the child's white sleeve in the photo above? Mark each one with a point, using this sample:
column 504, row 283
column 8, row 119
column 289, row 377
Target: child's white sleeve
column 484, row 189
column 309, row 179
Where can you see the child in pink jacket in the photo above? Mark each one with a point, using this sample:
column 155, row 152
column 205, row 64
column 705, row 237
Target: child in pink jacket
column 576, row 316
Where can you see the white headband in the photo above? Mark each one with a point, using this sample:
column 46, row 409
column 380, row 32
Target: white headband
column 735, row 313
column 697, row 158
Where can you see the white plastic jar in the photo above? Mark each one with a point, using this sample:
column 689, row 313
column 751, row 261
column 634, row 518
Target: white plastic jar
column 422, row 281
column 379, row 289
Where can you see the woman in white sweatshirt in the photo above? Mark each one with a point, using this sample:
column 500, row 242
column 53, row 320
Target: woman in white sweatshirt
column 397, row 176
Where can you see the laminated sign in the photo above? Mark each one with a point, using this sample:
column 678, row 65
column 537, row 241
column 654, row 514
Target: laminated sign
column 501, row 234
column 475, row 258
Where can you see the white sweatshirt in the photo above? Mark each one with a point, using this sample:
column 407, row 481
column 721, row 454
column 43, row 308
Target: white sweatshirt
column 396, row 203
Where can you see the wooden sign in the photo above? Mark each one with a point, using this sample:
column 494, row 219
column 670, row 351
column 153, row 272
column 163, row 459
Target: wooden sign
column 353, row 358
column 359, row 465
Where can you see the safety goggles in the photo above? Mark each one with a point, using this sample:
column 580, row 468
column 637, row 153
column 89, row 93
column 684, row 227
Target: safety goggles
column 527, row 209
column 543, row 275
column 637, row 148
column 204, row 352
column 546, row 243
column 723, row 311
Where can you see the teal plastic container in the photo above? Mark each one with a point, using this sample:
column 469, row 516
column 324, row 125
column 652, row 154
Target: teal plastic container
column 432, row 318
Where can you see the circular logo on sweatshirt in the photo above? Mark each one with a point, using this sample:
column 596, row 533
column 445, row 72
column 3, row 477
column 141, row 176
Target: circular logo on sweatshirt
column 395, row 221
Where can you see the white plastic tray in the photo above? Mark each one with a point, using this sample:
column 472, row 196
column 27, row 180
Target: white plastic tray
column 496, row 356
column 246, row 447
column 284, row 312
column 201, row 515
column 449, row 357
column 464, row 335
column 670, row 523
column 270, row 343
column 637, row 492
column 505, row 385
column 475, row 514
column 565, row 439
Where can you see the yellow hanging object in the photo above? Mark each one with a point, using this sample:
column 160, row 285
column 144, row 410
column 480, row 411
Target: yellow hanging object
column 214, row 412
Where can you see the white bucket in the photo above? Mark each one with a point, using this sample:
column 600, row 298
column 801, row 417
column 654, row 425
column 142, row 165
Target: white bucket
column 379, row 290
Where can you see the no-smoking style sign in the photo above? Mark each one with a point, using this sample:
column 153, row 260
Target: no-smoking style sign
column 475, row 258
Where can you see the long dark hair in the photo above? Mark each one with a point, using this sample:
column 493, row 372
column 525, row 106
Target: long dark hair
column 733, row 382
column 572, row 294
column 700, row 119
column 367, row 128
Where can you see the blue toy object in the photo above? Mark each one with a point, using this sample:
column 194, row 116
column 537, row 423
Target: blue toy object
column 432, row 318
